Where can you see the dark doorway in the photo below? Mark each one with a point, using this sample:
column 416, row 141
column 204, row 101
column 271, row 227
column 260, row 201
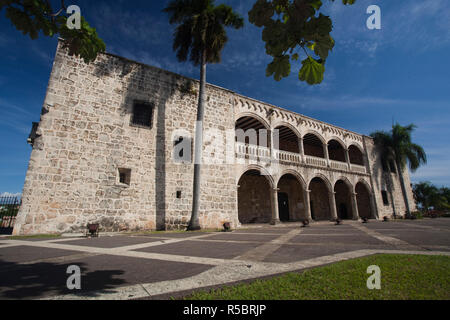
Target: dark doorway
column 343, row 213
column 283, row 206
column 311, row 206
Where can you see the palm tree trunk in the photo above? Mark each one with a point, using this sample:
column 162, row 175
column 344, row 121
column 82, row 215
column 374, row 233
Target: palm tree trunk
column 405, row 195
column 194, row 224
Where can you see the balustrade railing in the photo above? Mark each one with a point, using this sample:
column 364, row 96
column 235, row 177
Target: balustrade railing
column 338, row 165
column 264, row 153
column 316, row 161
column 286, row 156
column 358, row 168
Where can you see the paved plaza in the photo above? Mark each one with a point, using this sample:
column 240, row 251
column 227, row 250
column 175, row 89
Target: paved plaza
column 157, row 265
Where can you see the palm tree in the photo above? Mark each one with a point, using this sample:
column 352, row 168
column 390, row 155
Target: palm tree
column 428, row 196
column 200, row 34
column 396, row 147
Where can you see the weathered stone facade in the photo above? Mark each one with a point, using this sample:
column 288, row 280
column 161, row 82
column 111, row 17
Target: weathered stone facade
column 86, row 136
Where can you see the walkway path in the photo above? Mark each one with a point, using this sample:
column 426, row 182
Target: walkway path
column 161, row 264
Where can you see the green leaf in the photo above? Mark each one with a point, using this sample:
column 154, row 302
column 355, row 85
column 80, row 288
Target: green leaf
column 312, row 71
column 280, row 68
column 323, row 46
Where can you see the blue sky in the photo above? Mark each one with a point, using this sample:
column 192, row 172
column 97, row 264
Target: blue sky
column 373, row 77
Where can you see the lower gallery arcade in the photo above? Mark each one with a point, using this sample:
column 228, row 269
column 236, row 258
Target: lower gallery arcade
column 261, row 199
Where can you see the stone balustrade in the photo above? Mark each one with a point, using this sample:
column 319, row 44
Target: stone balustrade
column 264, row 154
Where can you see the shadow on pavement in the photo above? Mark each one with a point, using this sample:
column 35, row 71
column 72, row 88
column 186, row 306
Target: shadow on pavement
column 19, row 281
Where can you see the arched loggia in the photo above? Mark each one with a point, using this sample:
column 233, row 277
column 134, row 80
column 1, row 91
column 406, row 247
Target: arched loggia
column 291, row 203
column 320, row 204
column 254, row 198
column 336, row 151
column 343, row 198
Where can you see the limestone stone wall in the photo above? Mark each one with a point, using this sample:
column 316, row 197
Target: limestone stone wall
column 389, row 182
column 85, row 136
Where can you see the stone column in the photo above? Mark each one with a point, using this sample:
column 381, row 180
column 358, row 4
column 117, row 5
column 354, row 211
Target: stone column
column 307, row 199
column 301, row 149
column 325, row 152
column 333, row 209
column 355, row 206
column 275, row 214
column 347, row 159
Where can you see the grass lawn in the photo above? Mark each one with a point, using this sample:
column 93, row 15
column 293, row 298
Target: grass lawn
column 38, row 236
column 402, row 277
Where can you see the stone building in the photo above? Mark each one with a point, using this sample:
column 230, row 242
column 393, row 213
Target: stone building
column 107, row 150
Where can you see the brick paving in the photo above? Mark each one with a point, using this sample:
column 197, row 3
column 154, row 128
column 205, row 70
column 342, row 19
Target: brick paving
column 140, row 266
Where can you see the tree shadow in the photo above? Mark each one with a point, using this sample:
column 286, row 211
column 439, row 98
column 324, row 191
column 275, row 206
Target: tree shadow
column 22, row 281
column 141, row 82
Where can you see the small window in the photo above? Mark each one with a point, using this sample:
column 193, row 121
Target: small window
column 182, row 149
column 142, row 114
column 125, row 176
column 385, row 198
column 179, row 194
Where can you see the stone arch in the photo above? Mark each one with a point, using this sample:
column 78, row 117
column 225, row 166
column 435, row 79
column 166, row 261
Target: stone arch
column 339, row 140
column 316, row 133
column 320, row 193
column 347, row 182
column 291, row 197
column 252, row 130
column 364, row 198
column 261, row 170
column 286, row 139
column 288, row 125
column 343, row 190
column 325, row 180
column 363, row 181
column 295, row 174
column 356, row 154
column 313, row 144
column 336, row 150
column 254, row 196
column 253, row 115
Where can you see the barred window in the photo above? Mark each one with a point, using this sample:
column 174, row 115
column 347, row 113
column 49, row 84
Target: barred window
column 142, row 114
column 125, row 176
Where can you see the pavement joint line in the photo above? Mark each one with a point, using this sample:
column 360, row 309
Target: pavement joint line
column 387, row 239
column 162, row 242
column 262, row 251
column 224, row 274
column 130, row 254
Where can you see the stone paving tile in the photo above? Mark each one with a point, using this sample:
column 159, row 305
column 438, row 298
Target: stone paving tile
column 204, row 249
column 334, row 230
column 174, row 235
column 344, row 239
column 389, row 225
column 110, row 242
column 291, row 253
column 21, row 254
column 101, row 272
column 244, row 237
column 279, row 230
column 421, row 238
